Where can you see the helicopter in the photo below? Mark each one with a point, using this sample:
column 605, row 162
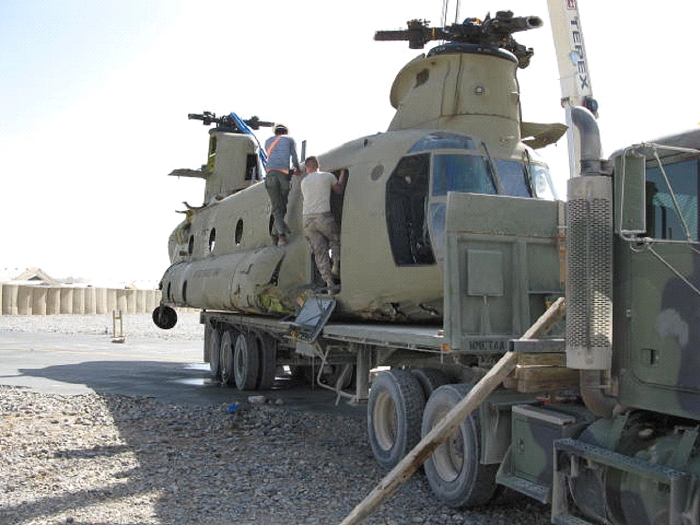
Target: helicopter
column 457, row 128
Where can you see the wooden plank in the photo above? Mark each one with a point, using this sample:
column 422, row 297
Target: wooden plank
column 439, row 434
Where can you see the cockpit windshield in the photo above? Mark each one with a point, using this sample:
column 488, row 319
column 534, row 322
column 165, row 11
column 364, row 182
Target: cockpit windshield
column 542, row 182
column 513, row 178
column 443, row 162
column 461, row 173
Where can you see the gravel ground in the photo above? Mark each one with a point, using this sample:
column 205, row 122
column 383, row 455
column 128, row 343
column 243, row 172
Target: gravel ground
column 98, row 459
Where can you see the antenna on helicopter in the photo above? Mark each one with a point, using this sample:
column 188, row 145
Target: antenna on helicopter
column 497, row 31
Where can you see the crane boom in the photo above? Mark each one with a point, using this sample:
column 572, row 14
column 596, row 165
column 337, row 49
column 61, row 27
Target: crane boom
column 575, row 76
column 574, row 73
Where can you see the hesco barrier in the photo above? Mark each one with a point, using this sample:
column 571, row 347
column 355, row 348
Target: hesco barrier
column 19, row 299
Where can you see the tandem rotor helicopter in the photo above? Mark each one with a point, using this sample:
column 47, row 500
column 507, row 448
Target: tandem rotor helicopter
column 457, row 128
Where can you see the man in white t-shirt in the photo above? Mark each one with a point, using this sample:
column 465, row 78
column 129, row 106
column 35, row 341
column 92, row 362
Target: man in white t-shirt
column 320, row 228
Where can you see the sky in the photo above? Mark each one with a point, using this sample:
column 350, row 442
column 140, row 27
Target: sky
column 94, row 97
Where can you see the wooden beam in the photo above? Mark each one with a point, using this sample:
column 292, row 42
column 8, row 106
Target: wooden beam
column 440, row 432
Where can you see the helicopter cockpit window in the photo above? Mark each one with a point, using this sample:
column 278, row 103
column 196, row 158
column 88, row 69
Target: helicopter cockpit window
column 461, row 173
column 406, row 203
column 443, row 140
column 542, row 182
column 513, row 178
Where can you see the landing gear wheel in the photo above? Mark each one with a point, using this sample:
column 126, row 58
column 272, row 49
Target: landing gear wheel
column 267, row 352
column 454, row 472
column 430, row 379
column 164, row 317
column 228, row 342
column 394, row 411
column 245, row 362
column 214, row 351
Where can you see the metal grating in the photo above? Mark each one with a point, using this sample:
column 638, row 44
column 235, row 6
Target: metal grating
column 589, row 274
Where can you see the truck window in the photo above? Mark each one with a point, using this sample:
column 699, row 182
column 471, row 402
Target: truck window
column 461, row 173
column 663, row 221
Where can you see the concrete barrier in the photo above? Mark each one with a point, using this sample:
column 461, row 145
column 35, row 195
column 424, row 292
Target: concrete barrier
column 53, row 301
column 21, row 299
column 101, row 301
column 111, row 300
column 24, row 300
column 122, row 302
column 131, row 301
column 9, row 299
column 66, row 300
column 78, row 301
column 140, row 296
column 90, row 306
column 38, row 300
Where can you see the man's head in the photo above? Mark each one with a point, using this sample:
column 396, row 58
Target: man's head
column 281, row 129
column 311, row 164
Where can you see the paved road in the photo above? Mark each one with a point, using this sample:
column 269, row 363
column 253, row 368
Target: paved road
column 171, row 371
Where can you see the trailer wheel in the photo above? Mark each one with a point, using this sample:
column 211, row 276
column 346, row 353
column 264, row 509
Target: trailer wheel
column 429, row 379
column 394, row 411
column 454, row 471
column 214, row 353
column 267, row 352
column 245, row 362
column 228, row 342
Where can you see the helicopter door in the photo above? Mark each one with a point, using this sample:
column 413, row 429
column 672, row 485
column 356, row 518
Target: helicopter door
column 406, row 204
column 337, row 201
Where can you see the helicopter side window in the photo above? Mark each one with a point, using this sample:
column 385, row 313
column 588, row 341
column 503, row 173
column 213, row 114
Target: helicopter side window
column 513, row 178
column 251, row 167
column 461, row 173
column 663, row 220
column 406, row 202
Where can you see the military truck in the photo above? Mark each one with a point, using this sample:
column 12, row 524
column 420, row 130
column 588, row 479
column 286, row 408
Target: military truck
column 451, row 250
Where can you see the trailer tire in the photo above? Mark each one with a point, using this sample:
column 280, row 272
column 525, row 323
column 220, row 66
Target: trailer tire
column 245, row 362
column 214, row 353
column 454, row 470
column 430, row 379
column 228, row 342
column 267, row 354
column 394, row 412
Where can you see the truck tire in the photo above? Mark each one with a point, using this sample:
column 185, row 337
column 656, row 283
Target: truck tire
column 454, row 471
column 245, row 362
column 267, row 352
column 214, row 353
column 429, row 379
column 394, row 412
column 228, row 342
